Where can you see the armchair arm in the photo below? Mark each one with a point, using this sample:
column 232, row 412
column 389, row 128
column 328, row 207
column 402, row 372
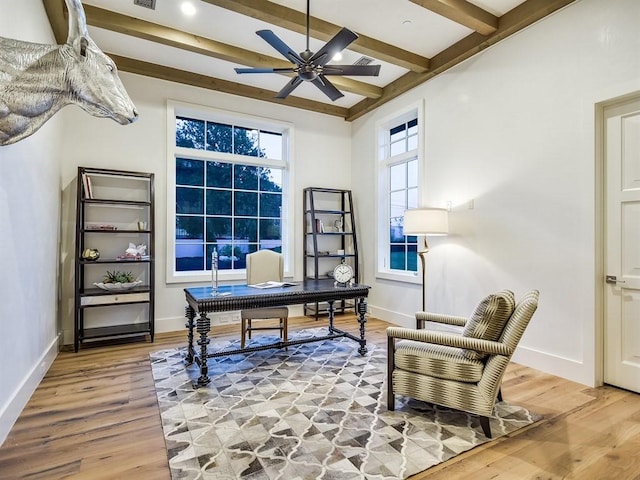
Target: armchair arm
column 440, row 318
column 450, row 340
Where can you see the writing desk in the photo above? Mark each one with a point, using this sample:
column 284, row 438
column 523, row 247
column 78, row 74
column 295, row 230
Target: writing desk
column 201, row 301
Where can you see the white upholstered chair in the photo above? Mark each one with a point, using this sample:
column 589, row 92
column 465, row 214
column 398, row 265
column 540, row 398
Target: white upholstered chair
column 264, row 266
column 463, row 370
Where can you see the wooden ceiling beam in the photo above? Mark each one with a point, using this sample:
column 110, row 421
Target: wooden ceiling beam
column 56, row 11
column 464, row 13
column 203, row 81
column 135, row 27
column 511, row 22
column 295, row 20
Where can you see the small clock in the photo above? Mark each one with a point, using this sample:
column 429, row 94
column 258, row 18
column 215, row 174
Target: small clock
column 343, row 275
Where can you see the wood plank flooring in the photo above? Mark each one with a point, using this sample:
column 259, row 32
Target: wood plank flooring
column 95, row 416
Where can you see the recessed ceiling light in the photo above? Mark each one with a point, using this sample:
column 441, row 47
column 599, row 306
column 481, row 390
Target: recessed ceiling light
column 188, row 8
column 337, row 57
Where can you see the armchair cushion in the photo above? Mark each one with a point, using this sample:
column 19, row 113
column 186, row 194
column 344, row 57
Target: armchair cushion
column 489, row 318
column 441, row 361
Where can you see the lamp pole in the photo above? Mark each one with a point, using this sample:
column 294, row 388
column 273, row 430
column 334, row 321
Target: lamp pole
column 423, row 263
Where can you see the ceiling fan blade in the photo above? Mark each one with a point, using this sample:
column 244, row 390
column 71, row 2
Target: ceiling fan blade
column 363, row 70
column 327, row 87
column 273, row 40
column 289, row 87
column 264, row 70
column 338, row 43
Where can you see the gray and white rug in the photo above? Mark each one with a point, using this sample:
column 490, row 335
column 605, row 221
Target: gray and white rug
column 314, row 411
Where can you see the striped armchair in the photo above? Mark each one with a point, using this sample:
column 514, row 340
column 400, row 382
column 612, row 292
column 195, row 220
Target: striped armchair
column 459, row 370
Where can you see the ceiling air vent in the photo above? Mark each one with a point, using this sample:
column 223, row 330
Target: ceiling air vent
column 363, row 61
column 151, row 4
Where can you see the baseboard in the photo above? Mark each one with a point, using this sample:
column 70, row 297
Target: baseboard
column 399, row 319
column 554, row 364
column 21, row 396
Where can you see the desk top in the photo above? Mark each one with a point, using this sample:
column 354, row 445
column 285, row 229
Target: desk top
column 238, row 297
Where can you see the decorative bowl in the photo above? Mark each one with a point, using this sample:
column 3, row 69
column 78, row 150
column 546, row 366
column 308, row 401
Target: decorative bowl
column 91, row 254
column 118, row 286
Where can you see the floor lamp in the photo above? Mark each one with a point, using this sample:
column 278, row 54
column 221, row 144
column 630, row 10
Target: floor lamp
column 425, row 221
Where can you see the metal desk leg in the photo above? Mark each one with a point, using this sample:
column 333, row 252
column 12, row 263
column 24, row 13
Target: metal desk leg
column 190, row 314
column 203, row 326
column 362, row 320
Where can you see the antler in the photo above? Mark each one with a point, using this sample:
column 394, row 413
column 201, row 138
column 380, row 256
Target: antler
column 77, row 20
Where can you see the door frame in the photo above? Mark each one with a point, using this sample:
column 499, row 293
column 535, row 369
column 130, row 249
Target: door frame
column 600, row 227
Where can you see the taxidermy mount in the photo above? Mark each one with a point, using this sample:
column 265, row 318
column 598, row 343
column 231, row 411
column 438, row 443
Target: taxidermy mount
column 37, row 80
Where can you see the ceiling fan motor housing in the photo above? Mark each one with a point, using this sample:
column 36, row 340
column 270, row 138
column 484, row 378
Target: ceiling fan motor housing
column 308, row 73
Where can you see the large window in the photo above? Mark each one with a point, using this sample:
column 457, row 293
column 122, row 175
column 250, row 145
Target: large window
column 398, row 187
column 402, row 194
column 229, row 179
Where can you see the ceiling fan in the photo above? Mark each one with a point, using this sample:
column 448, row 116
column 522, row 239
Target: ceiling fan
column 312, row 67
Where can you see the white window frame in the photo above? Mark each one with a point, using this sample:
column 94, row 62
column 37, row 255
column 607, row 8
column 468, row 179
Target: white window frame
column 384, row 162
column 181, row 109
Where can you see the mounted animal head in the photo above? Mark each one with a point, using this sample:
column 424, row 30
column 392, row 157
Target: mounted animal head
column 37, row 80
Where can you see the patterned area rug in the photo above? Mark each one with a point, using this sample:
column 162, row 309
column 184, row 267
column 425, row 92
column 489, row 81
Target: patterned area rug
column 314, row 411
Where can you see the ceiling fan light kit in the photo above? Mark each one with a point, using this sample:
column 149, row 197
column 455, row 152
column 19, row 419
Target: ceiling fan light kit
column 312, row 67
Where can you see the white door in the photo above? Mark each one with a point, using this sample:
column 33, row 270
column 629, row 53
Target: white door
column 622, row 244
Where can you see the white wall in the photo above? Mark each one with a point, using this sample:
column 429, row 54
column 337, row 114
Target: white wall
column 321, row 157
column 29, row 216
column 513, row 129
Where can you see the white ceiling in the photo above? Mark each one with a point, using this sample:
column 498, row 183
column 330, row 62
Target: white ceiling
column 400, row 23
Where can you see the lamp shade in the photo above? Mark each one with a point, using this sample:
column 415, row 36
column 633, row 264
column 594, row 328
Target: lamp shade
column 426, row 221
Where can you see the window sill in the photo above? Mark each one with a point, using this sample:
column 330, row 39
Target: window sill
column 224, row 277
column 199, row 277
column 412, row 277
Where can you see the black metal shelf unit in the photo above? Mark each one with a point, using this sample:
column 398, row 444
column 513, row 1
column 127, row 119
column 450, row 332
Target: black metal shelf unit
column 114, row 208
column 329, row 239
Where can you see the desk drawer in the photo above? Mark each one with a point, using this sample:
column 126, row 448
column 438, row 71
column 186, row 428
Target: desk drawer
column 114, row 299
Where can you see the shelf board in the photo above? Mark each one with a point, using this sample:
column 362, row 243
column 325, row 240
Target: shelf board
column 113, row 260
column 330, row 255
column 108, row 172
column 133, row 329
column 98, row 292
column 99, row 230
column 325, row 190
column 106, row 201
column 329, row 212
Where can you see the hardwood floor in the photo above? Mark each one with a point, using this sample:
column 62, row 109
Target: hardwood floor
column 95, row 416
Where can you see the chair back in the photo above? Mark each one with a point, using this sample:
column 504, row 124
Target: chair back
column 264, row 266
column 519, row 320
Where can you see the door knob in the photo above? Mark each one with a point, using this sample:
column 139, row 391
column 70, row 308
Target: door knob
column 613, row 280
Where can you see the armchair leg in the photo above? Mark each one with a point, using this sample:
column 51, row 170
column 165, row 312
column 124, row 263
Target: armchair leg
column 391, row 399
column 486, row 428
